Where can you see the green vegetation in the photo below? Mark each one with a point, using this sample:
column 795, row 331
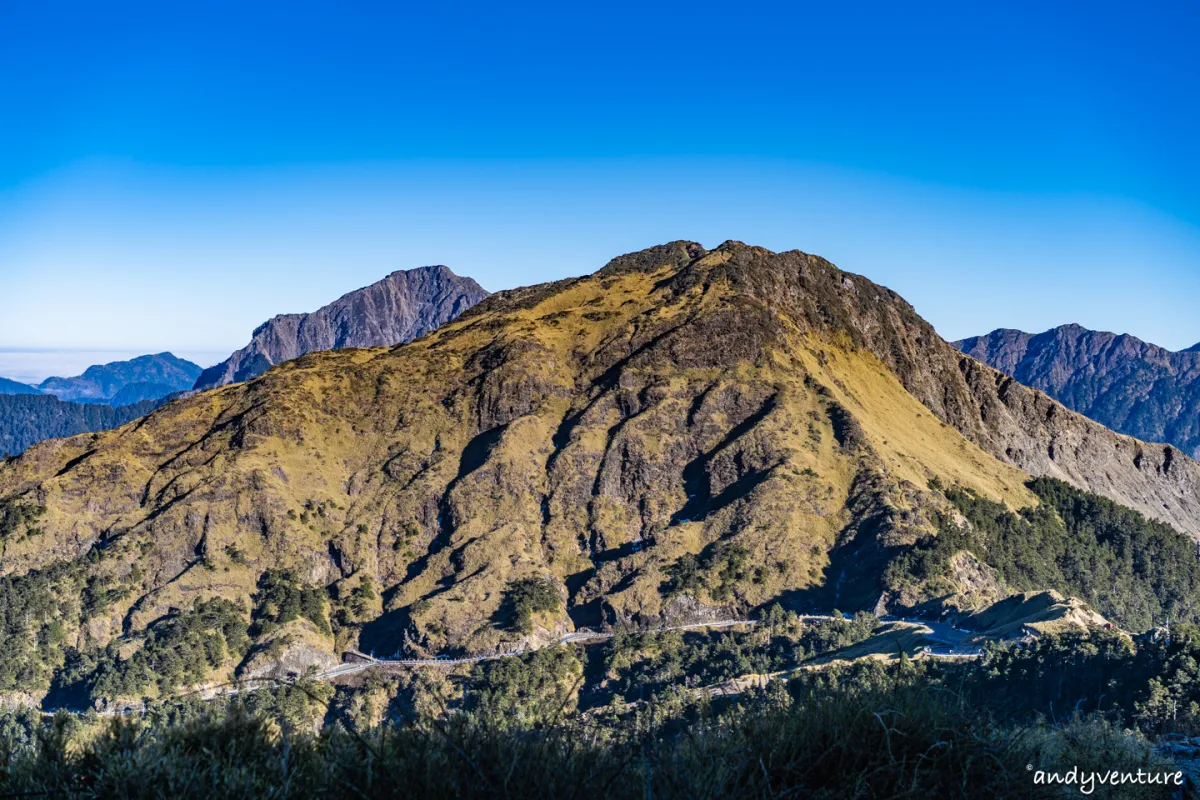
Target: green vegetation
column 647, row 666
column 1151, row 681
column 720, row 571
column 1139, row 571
column 36, row 610
column 683, row 576
column 1135, row 571
column 528, row 596
column 879, row 733
column 648, row 713
column 181, row 649
column 522, row 692
column 26, row 419
column 281, row 599
column 17, row 514
column 353, row 605
column 43, row 611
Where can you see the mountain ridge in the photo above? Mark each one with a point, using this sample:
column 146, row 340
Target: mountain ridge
column 402, row 306
column 683, row 434
column 1129, row 385
column 101, row 383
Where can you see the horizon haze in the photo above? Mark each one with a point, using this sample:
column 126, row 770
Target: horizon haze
column 177, row 179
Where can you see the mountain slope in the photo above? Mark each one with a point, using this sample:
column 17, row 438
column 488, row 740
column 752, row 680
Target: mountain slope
column 683, row 435
column 403, row 306
column 1118, row 380
column 104, row 383
column 132, row 393
column 26, row 419
column 13, row 387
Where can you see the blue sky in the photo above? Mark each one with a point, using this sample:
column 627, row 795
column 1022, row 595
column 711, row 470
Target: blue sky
column 172, row 174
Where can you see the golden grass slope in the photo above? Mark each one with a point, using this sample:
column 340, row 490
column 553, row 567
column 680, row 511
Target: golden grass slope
column 602, row 432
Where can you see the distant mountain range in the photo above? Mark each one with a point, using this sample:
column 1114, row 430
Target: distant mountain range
column 1121, row 381
column 124, row 382
column 104, row 396
column 403, row 306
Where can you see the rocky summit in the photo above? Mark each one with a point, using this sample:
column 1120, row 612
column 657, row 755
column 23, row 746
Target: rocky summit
column 401, row 307
column 1118, row 380
column 683, row 435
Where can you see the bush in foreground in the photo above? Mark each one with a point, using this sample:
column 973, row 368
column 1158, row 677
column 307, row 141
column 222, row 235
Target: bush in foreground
column 909, row 740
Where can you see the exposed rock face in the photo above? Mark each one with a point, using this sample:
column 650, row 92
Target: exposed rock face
column 151, row 377
column 19, row 701
column 1118, row 380
column 684, row 432
column 295, row 657
column 403, row 306
column 1016, row 424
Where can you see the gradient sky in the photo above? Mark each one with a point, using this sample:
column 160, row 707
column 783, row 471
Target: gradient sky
column 172, row 174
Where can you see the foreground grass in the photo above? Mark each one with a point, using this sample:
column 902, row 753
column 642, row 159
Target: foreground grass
column 904, row 742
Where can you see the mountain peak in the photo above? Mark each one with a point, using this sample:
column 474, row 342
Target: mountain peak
column 676, row 254
column 1128, row 384
column 720, row 413
column 163, row 373
column 398, row 308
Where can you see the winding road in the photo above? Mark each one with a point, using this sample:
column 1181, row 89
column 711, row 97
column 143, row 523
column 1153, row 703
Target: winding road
column 946, row 636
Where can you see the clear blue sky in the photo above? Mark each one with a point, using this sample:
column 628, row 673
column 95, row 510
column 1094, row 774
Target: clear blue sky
column 172, row 174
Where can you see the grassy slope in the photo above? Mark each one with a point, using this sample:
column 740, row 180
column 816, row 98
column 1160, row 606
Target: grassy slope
column 550, row 432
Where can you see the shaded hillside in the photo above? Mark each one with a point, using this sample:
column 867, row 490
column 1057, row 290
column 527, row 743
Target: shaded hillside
column 1118, row 380
column 13, row 387
column 26, row 419
column 403, row 306
column 125, row 382
column 137, row 392
column 683, row 435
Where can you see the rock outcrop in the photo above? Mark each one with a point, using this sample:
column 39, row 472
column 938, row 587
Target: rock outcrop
column 403, row 306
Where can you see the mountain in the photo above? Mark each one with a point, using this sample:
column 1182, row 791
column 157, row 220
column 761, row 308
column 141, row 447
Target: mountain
column 132, row 393
column 12, row 387
column 683, row 435
column 26, row 419
column 1127, row 384
column 156, row 375
column 403, row 306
